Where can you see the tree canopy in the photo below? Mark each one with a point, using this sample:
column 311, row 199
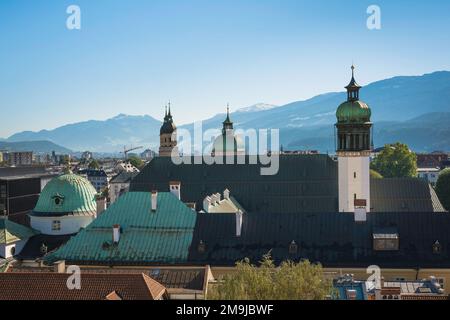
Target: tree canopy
column 135, row 161
column 94, row 164
column 289, row 281
column 443, row 188
column 395, row 161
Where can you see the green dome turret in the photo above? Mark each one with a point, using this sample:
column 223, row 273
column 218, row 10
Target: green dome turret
column 67, row 194
column 353, row 110
column 353, row 122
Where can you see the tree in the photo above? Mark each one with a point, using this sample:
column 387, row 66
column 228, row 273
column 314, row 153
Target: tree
column 137, row 162
column 290, row 281
column 374, row 174
column 395, row 161
column 94, row 164
column 443, row 188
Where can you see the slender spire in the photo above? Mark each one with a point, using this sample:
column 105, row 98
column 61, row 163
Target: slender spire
column 353, row 87
column 227, row 124
column 165, row 116
column 170, row 114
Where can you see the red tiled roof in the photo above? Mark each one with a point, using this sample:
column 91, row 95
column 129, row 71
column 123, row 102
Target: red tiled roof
column 52, row 286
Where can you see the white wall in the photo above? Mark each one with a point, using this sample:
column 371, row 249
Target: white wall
column 5, row 250
column 349, row 185
column 69, row 224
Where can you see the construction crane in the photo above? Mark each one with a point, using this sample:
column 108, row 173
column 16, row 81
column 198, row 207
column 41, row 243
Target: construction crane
column 125, row 150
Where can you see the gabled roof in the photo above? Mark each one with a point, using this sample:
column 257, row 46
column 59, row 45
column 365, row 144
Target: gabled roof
column 94, row 286
column 123, row 177
column 12, row 232
column 146, row 236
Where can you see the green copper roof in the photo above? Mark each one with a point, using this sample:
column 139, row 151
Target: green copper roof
column 68, row 193
column 163, row 236
column 353, row 112
column 11, row 232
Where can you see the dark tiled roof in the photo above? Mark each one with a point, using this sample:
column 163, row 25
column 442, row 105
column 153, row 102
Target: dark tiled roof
column 124, row 177
column 403, row 195
column 304, row 183
column 32, row 249
column 94, row 286
column 188, row 278
column 333, row 239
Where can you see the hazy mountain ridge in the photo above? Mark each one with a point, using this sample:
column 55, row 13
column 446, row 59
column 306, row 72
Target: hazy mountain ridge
column 405, row 108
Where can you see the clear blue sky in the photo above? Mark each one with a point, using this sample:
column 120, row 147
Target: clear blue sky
column 131, row 56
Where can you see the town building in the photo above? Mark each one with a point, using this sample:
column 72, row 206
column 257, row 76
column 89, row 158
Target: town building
column 148, row 154
column 86, row 156
column 97, row 177
column 18, row 158
column 120, row 184
column 13, row 237
column 125, row 167
column 431, row 160
column 19, row 190
column 430, row 175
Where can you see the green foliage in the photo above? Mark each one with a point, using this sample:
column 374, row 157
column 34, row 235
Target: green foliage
column 289, row 281
column 94, row 164
column 443, row 188
column 374, row 174
column 395, row 161
column 137, row 162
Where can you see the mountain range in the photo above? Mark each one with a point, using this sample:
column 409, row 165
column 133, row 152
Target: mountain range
column 411, row 109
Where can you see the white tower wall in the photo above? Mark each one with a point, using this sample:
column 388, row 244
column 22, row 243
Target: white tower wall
column 354, row 179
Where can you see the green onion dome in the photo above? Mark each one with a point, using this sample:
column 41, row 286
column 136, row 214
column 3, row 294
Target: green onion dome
column 353, row 112
column 67, row 194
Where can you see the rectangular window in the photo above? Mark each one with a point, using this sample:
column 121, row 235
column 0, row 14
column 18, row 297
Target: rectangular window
column 441, row 281
column 56, row 225
column 385, row 243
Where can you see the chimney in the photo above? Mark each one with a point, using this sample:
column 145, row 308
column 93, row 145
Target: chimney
column 206, row 204
column 226, row 194
column 360, row 210
column 59, row 266
column 154, row 200
column 116, row 233
column 239, row 215
column 175, row 188
column 101, row 205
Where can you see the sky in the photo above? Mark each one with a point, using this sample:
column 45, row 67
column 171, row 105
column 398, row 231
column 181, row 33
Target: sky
column 132, row 56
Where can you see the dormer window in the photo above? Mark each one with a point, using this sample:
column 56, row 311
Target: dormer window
column 386, row 239
column 201, row 247
column 58, row 199
column 437, row 247
column 293, row 247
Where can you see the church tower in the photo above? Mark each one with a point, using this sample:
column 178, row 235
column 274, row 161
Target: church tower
column 353, row 150
column 167, row 136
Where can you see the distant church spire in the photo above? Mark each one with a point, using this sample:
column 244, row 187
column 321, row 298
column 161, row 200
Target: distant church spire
column 227, row 124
